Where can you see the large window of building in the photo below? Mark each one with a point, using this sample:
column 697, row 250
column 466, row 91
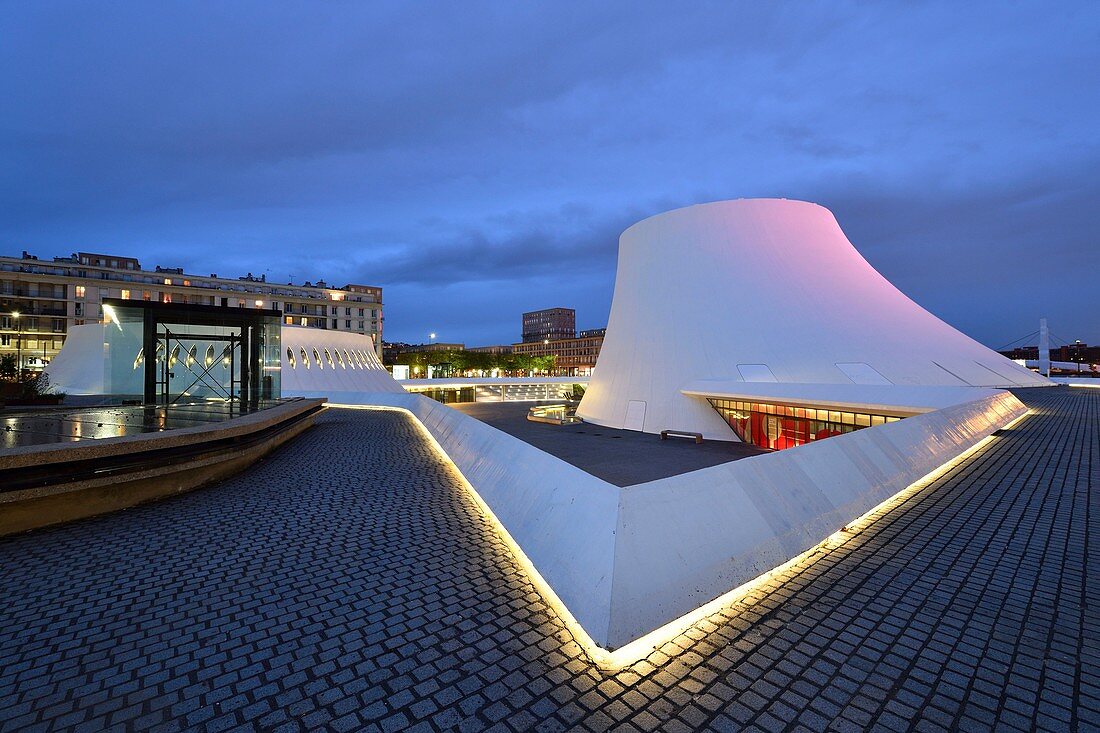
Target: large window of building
column 777, row 427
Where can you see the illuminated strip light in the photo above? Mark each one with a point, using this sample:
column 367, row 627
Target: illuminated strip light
column 640, row 648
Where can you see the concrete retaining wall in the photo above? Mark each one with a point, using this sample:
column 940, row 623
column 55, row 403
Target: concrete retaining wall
column 626, row 561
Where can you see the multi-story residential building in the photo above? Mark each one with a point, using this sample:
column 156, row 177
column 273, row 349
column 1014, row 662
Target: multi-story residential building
column 40, row 299
column 550, row 323
column 495, row 349
column 573, row 357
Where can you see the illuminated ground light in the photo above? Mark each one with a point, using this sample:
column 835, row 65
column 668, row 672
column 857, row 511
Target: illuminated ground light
column 612, row 660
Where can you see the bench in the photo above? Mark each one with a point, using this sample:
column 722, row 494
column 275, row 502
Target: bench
column 681, row 434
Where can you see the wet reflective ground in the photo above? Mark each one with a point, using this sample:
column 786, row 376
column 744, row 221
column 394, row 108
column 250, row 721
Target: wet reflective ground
column 39, row 427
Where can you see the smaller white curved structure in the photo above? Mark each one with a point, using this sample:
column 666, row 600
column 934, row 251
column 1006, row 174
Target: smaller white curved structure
column 80, row 367
column 333, row 364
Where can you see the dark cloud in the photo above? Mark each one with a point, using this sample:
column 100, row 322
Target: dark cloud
column 480, row 159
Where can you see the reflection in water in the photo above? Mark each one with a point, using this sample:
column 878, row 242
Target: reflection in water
column 55, row 426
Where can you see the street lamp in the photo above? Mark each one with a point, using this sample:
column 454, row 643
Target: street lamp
column 431, row 338
column 18, row 345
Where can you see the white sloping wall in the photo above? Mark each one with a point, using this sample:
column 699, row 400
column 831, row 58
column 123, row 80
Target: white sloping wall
column 763, row 290
column 626, row 561
column 80, row 367
column 321, row 363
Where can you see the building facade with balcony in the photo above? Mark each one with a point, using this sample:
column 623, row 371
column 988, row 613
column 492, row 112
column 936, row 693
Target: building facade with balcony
column 573, row 357
column 41, row 299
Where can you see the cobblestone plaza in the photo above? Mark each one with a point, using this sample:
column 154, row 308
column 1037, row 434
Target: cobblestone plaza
column 349, row 583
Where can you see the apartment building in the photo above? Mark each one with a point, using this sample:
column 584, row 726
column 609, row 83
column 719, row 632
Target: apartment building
column 573, row 357
column 549, row 323
column 41, row 299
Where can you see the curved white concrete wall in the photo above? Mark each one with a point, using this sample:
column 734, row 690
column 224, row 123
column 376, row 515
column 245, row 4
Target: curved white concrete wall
column 79, row 368
column 625, row 561
column 762, row 290
column 321, row 363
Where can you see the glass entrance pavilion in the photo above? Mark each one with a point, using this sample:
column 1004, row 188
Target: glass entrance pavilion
column 169, row 353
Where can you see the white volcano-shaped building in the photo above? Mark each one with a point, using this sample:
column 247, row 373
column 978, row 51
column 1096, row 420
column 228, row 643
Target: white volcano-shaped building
column 736, row 299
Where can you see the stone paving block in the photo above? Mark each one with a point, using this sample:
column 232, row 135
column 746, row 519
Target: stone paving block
column 348, row 582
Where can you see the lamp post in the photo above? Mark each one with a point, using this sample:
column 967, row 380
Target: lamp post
column 18, row 346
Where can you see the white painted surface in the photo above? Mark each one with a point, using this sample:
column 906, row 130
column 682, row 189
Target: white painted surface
column 625, row 561
column 563, row 518
column 756, row 373
column 345, row 363
column 687, row 539
column 1072, row 366
column 80, row 367
column 635, row 415
column 702, row 291
column 861, row 373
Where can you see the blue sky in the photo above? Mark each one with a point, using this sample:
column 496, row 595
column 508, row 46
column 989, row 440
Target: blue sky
column 478, row 160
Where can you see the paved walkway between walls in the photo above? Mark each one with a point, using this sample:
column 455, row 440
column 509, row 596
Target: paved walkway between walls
column 347, row 583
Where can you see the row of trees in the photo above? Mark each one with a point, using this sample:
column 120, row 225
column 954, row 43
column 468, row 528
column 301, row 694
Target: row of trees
column 474, row 363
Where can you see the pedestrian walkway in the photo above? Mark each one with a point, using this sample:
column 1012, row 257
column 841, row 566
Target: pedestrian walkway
column 347, row 582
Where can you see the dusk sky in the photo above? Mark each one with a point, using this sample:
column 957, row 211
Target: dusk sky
column 479, row 160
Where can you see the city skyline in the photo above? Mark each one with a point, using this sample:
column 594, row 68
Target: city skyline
column 478, row 162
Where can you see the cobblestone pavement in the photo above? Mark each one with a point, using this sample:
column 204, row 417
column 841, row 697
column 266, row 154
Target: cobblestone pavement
column 348, row 583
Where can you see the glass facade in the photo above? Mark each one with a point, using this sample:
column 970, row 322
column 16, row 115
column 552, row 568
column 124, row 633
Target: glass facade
column 775, row 427
column 447, row 395
column 168, row 354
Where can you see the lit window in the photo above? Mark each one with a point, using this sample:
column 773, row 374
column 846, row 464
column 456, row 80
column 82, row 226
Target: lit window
column 167, row 281
column 80, row 291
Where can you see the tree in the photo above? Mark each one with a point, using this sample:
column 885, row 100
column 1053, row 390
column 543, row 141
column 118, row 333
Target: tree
column 8, row 370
